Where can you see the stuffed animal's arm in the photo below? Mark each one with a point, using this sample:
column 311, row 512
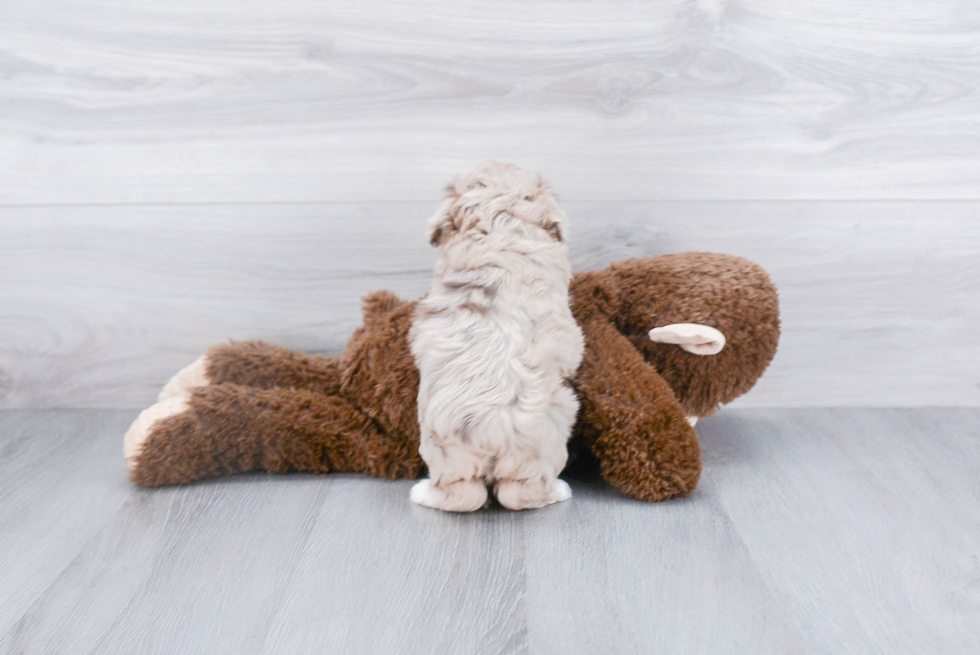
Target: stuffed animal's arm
column 229, row 428
column 637, row 428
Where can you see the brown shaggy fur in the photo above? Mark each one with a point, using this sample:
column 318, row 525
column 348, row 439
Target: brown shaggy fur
column 269, row 408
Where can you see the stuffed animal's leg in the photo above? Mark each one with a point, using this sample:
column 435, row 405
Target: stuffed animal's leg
column 637, row 427
column 255, row 364
column 230, row 428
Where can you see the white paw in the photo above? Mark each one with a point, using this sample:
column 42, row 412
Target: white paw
column 144, row 424
column 189, row 377
column 462, row 496
column 423, row 493
column 561, row 491
column 693, row 420
column 692, row 337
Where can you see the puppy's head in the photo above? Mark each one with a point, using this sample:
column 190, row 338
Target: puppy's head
column 497, row 197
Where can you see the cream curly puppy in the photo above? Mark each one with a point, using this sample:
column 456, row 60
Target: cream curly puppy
column 496, row 345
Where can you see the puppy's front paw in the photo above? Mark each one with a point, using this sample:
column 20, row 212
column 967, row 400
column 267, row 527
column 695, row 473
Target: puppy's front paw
column 141, row 428
column 460, row 496
column 692, row 337
column 191, row 376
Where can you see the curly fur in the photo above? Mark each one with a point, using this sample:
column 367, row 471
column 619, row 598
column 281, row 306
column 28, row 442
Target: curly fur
column 495, row 343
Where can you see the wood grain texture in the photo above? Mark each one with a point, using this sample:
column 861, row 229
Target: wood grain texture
column 60, row 483
column 404, row 579
column 99, row 306
column 813, row 531
column 106, row 101
column 864, row 524
column 613, row 576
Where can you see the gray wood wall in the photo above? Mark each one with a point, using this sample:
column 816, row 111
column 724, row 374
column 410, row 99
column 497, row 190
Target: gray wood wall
column 176, row 174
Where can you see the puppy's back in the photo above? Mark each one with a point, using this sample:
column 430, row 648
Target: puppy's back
column 495, row 341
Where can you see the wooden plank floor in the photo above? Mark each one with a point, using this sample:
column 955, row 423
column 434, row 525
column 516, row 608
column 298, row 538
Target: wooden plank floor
column 813, row 531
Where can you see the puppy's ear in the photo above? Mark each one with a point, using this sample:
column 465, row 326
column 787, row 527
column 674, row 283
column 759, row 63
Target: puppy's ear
column 440, row 229
column 554, row 218
column 554, row 228
column 442, row 225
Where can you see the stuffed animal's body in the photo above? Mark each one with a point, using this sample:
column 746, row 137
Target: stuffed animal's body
column 254, row 406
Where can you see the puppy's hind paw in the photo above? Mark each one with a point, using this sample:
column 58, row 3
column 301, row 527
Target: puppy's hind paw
column 459, row 496
column 528, row 494
column 560, row 491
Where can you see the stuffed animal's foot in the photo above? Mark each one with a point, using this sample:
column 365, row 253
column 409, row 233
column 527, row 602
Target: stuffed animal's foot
column 531, row 494
column 459, row 496
column 692, row 337
column 141, row 428
column 189, row 377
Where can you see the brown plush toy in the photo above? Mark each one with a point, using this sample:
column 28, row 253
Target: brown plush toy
column 254, row 406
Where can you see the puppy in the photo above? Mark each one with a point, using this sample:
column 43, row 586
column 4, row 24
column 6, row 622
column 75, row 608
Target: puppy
column 496, row 345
